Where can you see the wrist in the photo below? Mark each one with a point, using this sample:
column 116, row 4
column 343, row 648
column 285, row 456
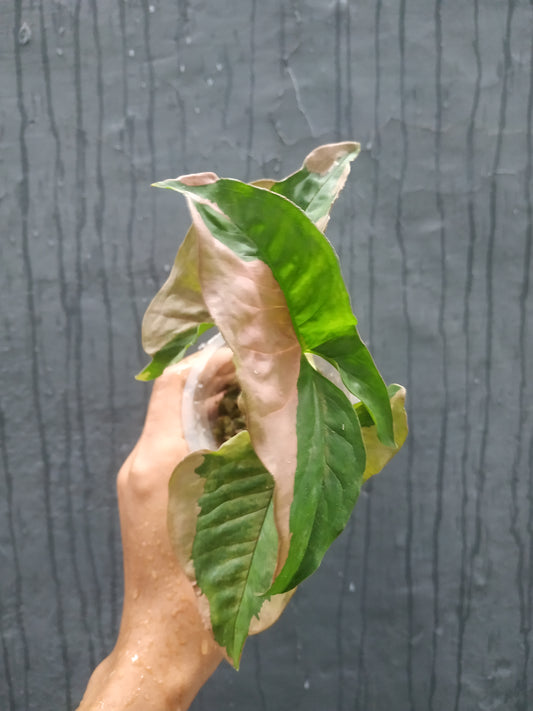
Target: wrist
column 153, row 668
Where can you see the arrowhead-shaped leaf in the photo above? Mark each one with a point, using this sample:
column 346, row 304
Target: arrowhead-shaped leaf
column 331, row 462
column 258, row 224
column 234, row 482
column 177, row 315
column 250, row 310
column 235, row 546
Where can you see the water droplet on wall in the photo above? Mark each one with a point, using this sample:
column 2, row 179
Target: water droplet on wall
column 24, row 34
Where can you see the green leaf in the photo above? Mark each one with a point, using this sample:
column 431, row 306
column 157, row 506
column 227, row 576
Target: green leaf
column 172, row 352
column 186, row 488
column 331, row 462
column 170, row 318
column 258, row 224
column 235, row 548
column 378, row 454
column 250, row 310
column 177, row 315
column 359, row 374
column 315, row 187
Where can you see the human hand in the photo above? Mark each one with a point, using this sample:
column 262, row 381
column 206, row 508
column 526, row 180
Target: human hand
column 164, row 652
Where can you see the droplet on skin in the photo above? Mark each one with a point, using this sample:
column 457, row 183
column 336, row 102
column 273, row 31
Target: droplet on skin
column 135, row 658
column 135, row 594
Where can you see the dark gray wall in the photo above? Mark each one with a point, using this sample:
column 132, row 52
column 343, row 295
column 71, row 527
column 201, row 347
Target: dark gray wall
column 425, row 603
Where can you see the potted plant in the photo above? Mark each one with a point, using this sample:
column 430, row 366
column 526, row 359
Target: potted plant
column 296, row 413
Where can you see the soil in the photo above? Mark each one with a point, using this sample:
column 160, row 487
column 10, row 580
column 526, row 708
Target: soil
column 229, row 419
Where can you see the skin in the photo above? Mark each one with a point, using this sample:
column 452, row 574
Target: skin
column 164, row 652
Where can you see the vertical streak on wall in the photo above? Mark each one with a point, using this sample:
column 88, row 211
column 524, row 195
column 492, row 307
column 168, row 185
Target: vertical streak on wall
column 183, row 10
column 525, row 295
column 251, row 103
column 343, row 131
column 24, row 205
column 338, row 71
column 19, row 612
column 150, row 133
column 476, row 550
column 10, row 685
column 467, row 326
column 58, row 178
column 81, row 217
column 129, row 150
column 99, row 214
column 400, row 238
column 361, row 699
column 439, row 488
column 523, row 579
column 349, row 135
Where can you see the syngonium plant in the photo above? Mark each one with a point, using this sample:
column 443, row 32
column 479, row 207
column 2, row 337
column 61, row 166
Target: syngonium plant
column 252, row 519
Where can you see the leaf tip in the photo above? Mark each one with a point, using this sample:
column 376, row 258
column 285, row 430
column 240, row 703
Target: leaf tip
column 194, row 180
column 146, row 374
column 322, row 158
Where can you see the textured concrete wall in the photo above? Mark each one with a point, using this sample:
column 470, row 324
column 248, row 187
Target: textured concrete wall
column 425, row 603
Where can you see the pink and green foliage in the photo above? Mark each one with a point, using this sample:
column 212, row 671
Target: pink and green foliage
column 253, row 519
